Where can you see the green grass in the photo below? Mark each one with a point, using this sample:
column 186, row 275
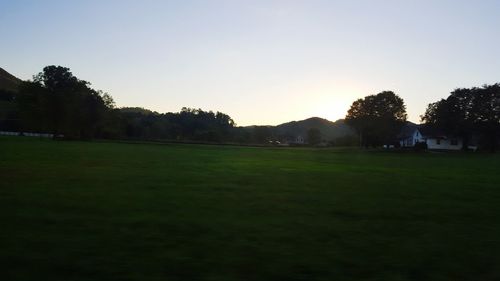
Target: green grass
column 111, row 211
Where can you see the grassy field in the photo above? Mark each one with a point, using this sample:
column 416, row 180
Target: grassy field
column 114, row 211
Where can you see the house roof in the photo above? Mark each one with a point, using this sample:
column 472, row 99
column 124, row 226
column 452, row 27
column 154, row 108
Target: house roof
column 426, row 131
column 407, row 130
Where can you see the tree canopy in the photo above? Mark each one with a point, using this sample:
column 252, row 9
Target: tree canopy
column 468, row 112
column 377, row 118
column 60, row 103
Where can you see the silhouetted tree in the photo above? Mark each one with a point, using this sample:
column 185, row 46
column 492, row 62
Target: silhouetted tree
column 468, row 112
column 34, row 107
column 58, row 102
column 188, row 124
column 377, row 118
column 485, row 114
column 451, row 115
column 9, row 115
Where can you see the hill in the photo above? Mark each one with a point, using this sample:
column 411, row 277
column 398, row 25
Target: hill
column 291, row 130
column 329, row 130
column 8, row 81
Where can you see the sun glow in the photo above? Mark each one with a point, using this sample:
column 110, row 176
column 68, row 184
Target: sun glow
column 330, row 103
column 332, row 108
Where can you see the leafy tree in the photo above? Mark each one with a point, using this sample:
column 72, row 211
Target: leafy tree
column 188, row 124
column 58, row 102
column 485, row 114
column 451, row 115
column 108, row 100
column 377, row 118
column 8, row 111
column 468, row 112
column 34, row 107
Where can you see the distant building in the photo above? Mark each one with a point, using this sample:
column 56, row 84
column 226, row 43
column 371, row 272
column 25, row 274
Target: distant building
column 294, row 140
column 299, row 140
column 435, row 139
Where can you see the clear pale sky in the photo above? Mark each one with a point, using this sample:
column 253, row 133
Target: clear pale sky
column 261, row 62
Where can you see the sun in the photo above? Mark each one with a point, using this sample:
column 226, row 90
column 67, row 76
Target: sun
column 331, row 106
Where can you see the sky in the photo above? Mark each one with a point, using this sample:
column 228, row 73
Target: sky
column 262, row 62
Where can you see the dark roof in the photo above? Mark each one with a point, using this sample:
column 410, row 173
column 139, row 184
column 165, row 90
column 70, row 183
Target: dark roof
column 427, row 131
column 431, row 132
column 407, row 130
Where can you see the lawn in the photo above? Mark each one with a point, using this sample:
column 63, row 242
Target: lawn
column 117, row 211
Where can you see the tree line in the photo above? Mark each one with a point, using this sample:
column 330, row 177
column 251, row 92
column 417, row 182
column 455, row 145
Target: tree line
column 469, row 112
column 57, row 102
column 466, row 113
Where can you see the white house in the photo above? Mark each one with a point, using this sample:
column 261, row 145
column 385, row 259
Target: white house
column 413, row 134
column 299, row 140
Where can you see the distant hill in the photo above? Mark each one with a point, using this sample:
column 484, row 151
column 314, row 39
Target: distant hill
column 291, row 130
column 8, row 81
column 329, row 130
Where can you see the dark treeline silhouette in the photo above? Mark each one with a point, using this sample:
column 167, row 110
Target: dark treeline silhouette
column 468, row 113
column 59, row 103
column 9, row 85
column 9, row 114
column 188, row 124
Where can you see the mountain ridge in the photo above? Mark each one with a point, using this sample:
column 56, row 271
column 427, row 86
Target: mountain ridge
column 330, row 130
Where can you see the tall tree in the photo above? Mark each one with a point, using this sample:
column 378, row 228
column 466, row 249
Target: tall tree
column 33, row 104
column 468, row 112
column 485, row 114
column 452, row 115
column 377, row 118
column 58, row 102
